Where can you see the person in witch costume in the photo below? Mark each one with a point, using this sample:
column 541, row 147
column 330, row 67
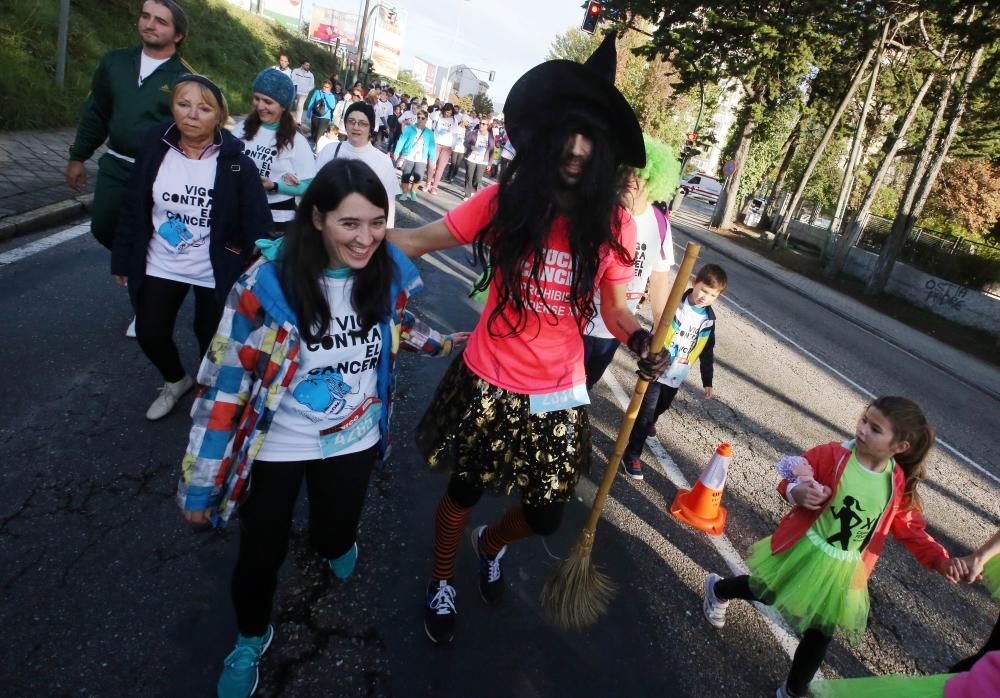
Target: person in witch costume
column 510, row 414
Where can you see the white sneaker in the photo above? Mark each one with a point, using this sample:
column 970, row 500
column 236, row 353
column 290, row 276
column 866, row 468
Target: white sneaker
column 130, row 330
column 714, row 609
column 170, row 393
column 782, row 692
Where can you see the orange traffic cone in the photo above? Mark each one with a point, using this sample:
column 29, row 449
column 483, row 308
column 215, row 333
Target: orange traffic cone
column 702, row 506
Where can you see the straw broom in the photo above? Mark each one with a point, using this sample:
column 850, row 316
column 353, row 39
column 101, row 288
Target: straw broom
column 576, row 592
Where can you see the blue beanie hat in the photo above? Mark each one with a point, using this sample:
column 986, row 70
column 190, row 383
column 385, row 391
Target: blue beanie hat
column 276, row 85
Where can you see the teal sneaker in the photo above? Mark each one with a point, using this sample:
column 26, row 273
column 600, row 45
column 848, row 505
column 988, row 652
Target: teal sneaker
column 343, row 566
column 413, row 195
column 240, row 672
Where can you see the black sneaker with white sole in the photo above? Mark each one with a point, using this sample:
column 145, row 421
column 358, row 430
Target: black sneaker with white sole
column 633, row 468
column 440, row 612
column 491, row 584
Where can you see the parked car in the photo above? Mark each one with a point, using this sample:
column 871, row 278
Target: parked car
column 702, row 186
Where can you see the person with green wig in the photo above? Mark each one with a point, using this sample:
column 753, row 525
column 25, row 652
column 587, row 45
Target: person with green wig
column 654, row 251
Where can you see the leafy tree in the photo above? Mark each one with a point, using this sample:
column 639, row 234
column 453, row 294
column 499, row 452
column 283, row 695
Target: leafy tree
column 573, row 45
column 406, row 83
column 766, row 46
column 966, row 198
column 482, row 103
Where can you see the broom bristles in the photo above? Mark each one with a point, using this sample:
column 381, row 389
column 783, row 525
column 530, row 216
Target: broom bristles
column 576, row 593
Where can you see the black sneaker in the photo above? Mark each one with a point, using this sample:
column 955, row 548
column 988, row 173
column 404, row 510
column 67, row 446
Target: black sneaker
column 491, row 584
column 632, row 468
column 439, row 612
column 652, row 430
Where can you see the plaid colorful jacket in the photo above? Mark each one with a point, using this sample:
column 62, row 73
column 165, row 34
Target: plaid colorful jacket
column 250, row 364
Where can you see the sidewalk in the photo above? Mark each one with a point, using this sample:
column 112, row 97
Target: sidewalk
column 33, row 190
column 968, row 369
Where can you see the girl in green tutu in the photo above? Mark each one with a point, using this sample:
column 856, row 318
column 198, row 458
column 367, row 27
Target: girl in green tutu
column 814, row 569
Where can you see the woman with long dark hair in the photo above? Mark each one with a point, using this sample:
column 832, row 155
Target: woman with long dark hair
column 272, row 140
column 510, row 413
column 299, row 386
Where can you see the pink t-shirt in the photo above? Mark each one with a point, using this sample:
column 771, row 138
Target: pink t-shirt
column 547, row 355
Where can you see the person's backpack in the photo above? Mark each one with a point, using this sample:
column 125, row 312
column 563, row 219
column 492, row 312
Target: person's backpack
column 319, row 107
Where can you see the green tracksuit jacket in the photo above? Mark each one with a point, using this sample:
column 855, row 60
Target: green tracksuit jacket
column 118, row 109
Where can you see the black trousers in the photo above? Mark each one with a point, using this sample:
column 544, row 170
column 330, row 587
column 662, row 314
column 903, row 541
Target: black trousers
column 452, row 171
column 992, row 645
column 808, row 655
column 473, row 173
column 337, row 487
column 158, row 303
column 544, row 520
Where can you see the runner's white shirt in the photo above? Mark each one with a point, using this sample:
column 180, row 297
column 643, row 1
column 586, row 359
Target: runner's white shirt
column 331, row 407
column 647, row 260
column 298, row 160
column 182, row 215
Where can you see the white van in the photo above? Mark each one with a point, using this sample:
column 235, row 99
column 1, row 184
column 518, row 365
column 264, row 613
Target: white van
column 702, row 186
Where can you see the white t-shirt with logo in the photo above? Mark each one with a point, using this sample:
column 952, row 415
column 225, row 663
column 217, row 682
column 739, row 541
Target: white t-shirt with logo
column 479, row 156
column 182, row 219
column 379, row 161
column 647, row 260
column 331, row 407
column 444, row 132
column 298, row 160
column 458, row 137
column 147, row 65
column 688, row 321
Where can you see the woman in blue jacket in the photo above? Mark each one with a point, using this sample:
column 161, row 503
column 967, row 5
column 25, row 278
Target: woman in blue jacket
column 320, row 110
column 416, row 145
column 194, row 207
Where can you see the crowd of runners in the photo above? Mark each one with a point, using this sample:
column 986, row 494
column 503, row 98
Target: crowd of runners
column 283, row 226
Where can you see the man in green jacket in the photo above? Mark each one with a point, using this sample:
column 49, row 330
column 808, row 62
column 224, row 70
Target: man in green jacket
column 129, row 93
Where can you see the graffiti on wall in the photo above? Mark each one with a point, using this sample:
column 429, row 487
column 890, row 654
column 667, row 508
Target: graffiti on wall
column 943, row 293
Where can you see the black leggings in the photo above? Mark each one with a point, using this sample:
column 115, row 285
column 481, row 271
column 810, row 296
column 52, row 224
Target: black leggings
column 808, row 655
column 992, row 645
column 544, row 520
column 453, row 164
column 337, row 488
column 158, row 303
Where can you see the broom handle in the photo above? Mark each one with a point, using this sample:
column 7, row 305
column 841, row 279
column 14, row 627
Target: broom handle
column 660, row 336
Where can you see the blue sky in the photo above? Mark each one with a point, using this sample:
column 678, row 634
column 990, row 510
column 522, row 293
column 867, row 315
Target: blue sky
column 508, row 36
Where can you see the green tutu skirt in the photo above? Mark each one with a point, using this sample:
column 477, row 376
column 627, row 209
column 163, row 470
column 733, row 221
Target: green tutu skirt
column 991, row 576
column 882, row 687
column 812, row 585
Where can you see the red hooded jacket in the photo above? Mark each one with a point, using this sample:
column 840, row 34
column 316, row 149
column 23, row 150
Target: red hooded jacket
column 907, row 525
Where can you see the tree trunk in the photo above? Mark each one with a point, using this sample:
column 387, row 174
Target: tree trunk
column 855, row 154
column 853, row 233
column 887, row 257
column 725, row 209
column 781, row 234
column 788, row 154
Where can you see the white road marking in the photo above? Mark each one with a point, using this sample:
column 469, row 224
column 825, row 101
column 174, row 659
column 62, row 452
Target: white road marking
column 782, row 633
column 20, row 253
column 465, row 271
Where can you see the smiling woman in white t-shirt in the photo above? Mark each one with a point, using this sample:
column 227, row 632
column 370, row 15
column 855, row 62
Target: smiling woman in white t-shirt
column 272, row 140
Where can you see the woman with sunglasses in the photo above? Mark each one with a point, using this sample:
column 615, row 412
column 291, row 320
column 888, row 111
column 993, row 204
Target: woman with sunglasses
column 479, row 145
column 417, row 147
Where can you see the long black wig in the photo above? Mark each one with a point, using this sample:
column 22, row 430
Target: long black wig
column 531, row 195
column 304, row 256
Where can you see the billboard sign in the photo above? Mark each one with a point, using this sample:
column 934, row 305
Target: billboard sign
column 424, row 73
column 285, row 12
column 387, row 41
column 327, row 25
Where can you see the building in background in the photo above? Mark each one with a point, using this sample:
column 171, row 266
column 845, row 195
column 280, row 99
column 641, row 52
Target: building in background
column 459, row 80
column 425, row 73
column 721, row 122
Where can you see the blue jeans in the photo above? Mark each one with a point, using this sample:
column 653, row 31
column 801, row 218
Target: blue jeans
column 598, row 352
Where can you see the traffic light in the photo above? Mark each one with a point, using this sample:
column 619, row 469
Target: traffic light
column 592, row 17
column 689, row 152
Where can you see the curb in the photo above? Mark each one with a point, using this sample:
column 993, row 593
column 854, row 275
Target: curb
column 704, row 238
column 30, row 221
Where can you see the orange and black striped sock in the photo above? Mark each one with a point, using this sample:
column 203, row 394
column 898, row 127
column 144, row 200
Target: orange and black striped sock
column 513, row 526
column 448, row 528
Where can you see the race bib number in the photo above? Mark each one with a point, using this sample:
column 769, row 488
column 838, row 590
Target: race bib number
column 366, row 417
column 560, row 400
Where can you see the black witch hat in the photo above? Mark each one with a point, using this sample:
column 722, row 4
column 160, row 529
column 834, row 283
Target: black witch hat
column 555, row 85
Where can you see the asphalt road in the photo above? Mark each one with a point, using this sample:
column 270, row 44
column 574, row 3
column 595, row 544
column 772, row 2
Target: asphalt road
column 106, row 592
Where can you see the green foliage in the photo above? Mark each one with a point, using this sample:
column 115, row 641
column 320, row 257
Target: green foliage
column 225, row 43
column 482, row 104
column 405, row 83
column 573, row 45
column 966, row 199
